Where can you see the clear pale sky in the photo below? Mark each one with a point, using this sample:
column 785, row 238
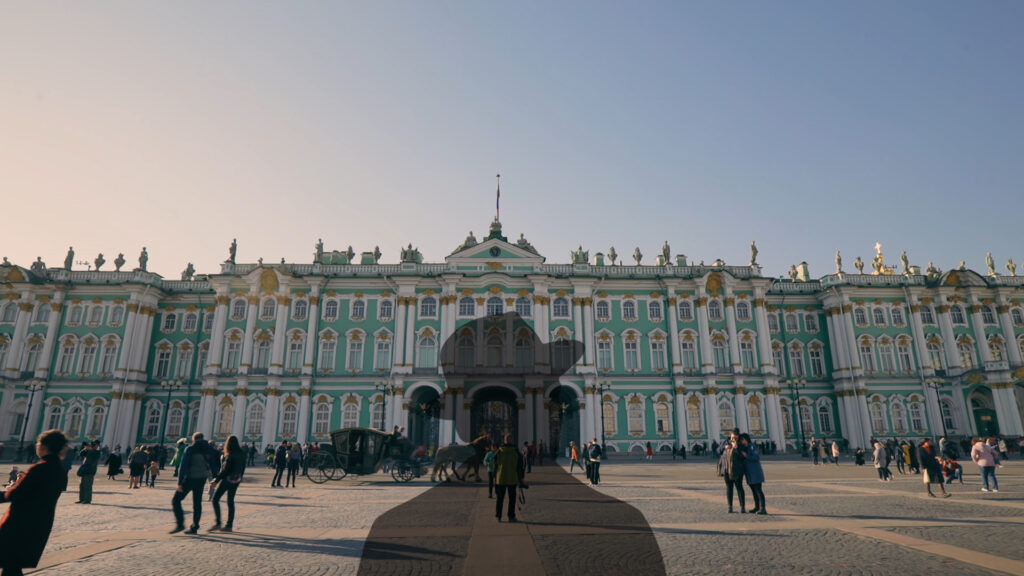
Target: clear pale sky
column 808, row 126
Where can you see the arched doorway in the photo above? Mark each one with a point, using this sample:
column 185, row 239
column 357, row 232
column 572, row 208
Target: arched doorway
column 425, row 418
column 983, row 409
column 563, row 419
column 495, row 413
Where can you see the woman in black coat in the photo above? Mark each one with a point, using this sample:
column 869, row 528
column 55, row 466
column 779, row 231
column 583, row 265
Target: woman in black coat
column 114, row 462
column 26, row 526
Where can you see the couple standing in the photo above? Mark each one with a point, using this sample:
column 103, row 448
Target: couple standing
column 199, row 462
column 741, row 459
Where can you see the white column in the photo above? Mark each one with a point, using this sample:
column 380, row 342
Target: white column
column 538, row 414
column 280, row 344
column 673, row 327
column 865, row 418
column 948, row 337
column 395, row 406
column 1012, row 348
column 739, row 402
column 707, row 363
column 32, row 418
column 920, row 346
column 270, row 414
column 110, row 426
column 312, row 339
column 410, row 337
column 220, row 318
column 580, row 333
column 127, row 343
column 509, row 344
column 250, row 328
column 304, row 391
column 241, row 401
column 682, row 430
column 25, row 307
column 773, row 413
column 528, row 432
column 710, row 399
column 764, row 337
column 734, row 341
column 1006, row 409
column 462, row 423
column 400, row 315
column 207, row 410
column 846, row 320
column 445, row 430
column 981, row 341
column 141, row 338
column 835, row 349
column 523, row 425
column 589, row 352
column 52, row 326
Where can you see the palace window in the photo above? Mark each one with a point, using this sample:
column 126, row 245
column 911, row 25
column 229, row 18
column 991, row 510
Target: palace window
column 10, row 313
column 74, row 319
column 96, row 417
column 721, row 354
column 631, row 356
column 328, row 350
column 947, row 415
column 96, row 315
column 806, row 419
column 426, row 356
column 956, row 315
column 175, row 418
column 966, row 355
column 170, row 321
column 601, row 310
column 926, row 315
column 465, row 359
column 467, row 307
column 715, row 310
column 355, row 355
column 523, row 307
column 191, row 322
column 787, row 421
column 689, row 358
column 885, row 357
column 358, row 310
column 860, row 317
column 163, row 364
column 331, row 310
column 897, row 316
column 231, row 355
column 693, row 417
column 385, row 310
column 654, row 310
column 377, row 413
column 262, row 361
column 67, row 356
column 905, row 355
column 995, row 348
column 88, row 360
column 879, row 316
column 685, row 310
column 936, row 356
column 726, row 420
column 428, row 307
column 201, row 364
column 628, row 310
column 747, row 357
column 321, row 419
column 494, row 348
column 43, row 313
column 225, row 416
column 987, row 316
column 917, row 416
column 867, row 357
column 269, row 309
column 254, row 420
column 1017, row 315
column 563, row 355
column 899, row 418
column 754, row 416
column 773, row 323
column 524, row 352
column 742, row 311
column 238, row 310
column 382, row 361
column 662, row 418
column 635, row 416
column 3, row 353
column 811, row 322
column 796, row 362
column 54, row 416
column 495, row 307
column 608, row 410
column 184, row 363
column 825, row 419
column 289, row 420
column 658, row 355
column 152, row 422
column 296, row 350
column 300, row 309
column 604, row 355
column 778, row 359
column 350, row 415
column 74, row 421
column 560, row 308
column 817, row 362
column 116, row 315
column 208, row 322
column 792, row 324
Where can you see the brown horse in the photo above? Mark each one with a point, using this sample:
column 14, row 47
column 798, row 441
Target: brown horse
column 471, row 454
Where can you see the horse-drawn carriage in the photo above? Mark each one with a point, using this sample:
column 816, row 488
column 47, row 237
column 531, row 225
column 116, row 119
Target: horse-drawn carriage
column 362, row 451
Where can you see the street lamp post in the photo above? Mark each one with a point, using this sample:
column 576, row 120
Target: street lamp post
column 936, row 384
column 384, row 388
column 601, row 387
column 170, row 386
column 32, row 386
column 795, row 384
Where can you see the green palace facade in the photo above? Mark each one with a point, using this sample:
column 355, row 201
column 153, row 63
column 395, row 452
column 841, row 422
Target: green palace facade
column 673, row 353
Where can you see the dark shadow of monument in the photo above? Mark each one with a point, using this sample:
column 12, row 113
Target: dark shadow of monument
column 572, row 528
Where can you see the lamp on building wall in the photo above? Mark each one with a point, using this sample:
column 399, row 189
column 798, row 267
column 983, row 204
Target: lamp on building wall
column 170, row 386
column 601, row 387
column 794, row 385
column 936, row 384
column 32, row 386
column 384, row 388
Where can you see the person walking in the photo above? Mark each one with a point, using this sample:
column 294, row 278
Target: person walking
column 510, row 470
column 113, row 464
column 227, row 482
column 527, row 457
column 307, row 450
column 880, row 458
column 136, row 466
column 835, row 452
column 540, row 453
column 985, row 457
column 280, row 463
column 252, row 454
column 814, row 450
column 929, row 459
column 586, row 462
column 198, row 463
column 574, row 456
column 594, row 454
column 179, row 451
column 25, row 527
column 732, row 467
column 294, row 462
column 489, row 464
column 649, row 451
column 87, row 472
column 754, row 472
column 913, row 463
column 154, row 471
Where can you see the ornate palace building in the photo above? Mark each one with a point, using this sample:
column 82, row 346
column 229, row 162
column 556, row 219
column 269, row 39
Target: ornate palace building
column 672, row 353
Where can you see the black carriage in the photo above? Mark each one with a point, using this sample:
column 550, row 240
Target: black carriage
column 362, row 451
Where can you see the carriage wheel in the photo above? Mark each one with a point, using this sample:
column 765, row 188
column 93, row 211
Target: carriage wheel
column 337, row 473
column 321, row 468
column 402, row 471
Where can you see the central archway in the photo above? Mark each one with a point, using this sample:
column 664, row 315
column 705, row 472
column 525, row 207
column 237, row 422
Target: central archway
column 983, row 409
column 563, row 419
column 495, row 412
column 425, row 418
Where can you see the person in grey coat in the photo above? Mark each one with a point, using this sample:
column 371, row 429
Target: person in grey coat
column 753, row 472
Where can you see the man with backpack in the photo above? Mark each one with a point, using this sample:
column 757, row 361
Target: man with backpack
column 199, row 462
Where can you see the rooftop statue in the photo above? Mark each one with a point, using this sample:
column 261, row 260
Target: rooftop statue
column 411, row 254
column 143, row 259
column 188, row 272
column 580, row 256
column 232, row 250
column 99, row 261
column 38, row 267
column 469, row 242
column 792, row 272
column 69, row 259
column 119, row 261
column 753, row 253
column 349, row 254
column 524, row 244
column 612, row 255
column 376, row 254
column 839, row 263
column 859, row 265
column 991, row 263
column 637, row 255
column 1010, row 267
column 963, row 265
column 666, row 253
column 6, row 262
column 931, row 271
column 905, row 261
column 318, row 256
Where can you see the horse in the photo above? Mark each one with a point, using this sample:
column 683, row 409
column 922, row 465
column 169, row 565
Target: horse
column 468, row 454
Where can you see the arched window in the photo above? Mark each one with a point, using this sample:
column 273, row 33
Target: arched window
column 262, row 360
column 825, row 419
column 715, row 310
column 926, row 315
column 754, row 416
column 685, row 310
column 792, row 324
column 936, row 355
column 662, row 418
column 96, row 315
column 885, row 357
column 860, row 317
column 43, row 313
column 153, row 416
column 956, row 314
column 604, row 355
column 331, row 310
column 289, row 420
column 11, row 313
column 720, row 353
column 608, row 411
column 987, row 315
column 524, row 352
column 87, row 361
column 232, row 352
column 806, row 419
column 97, row 415
column 817, row 361
column 560, row 308
column 562, row 355
column 355, row 355
column 238, row 309
column 74, row 421
column 350, row 415
column 494, row 346
column 654, row 310
column 694, row 417
column 426, row 356
column 742, row 311
column 773, row 323
column 601, row 310
column 268, row 309
column 966, row 355
column 300, row 310
column 377, row 414
column 867, row 356
column 947, row 415
column 385, row 310
column 726, row 420
column 916, row 415
column 108, row 358
column 897, row 316
column 523, row 307
column 382, row 359
column 328, row 352
column 635, row 416
column 191, row 322
column 321, row 419
column 689, row 350
column 495, row 307
column 796, row 361
column 358, row 310
column 1017, row 315
column 3, row 353
column 170, row 322
column 899, row 418
column 428, row 307
column 630, row 354
column 296, row 352
column 67, row 357
column 879, row 316
column 254, row 420
column 467, row 307
column 225, row 415
column 54, row 414
column 465, row 358
column 76, row 314
column 787, row 420
column 163, row 363
column 906, row 357
column 747, row 357
column 175, row 418
column 116, row 315
column 995, row 347
column 657, row 355
column 778, row 359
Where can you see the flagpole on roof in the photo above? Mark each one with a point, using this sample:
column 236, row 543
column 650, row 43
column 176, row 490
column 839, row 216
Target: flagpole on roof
column 497, row 203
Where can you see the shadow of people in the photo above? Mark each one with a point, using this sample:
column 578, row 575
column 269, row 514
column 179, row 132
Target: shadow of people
column 566, row 527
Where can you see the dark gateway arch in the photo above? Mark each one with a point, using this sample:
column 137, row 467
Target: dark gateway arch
column 450, row 528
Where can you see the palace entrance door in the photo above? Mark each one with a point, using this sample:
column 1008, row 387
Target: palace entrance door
column 425, row 419
column 563, row 419
column 495, row 412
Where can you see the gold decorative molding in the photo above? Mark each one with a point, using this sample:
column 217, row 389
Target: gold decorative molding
column 273, row 391
column 758, row 302
column 942, row 309
column 730, row 302
column 680, row 390
column 740, row 389
column 772, row 390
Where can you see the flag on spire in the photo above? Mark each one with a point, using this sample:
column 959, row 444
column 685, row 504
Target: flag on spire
column 497, row 203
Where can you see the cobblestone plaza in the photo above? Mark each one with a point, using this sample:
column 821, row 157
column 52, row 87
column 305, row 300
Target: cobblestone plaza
column 822, row 520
